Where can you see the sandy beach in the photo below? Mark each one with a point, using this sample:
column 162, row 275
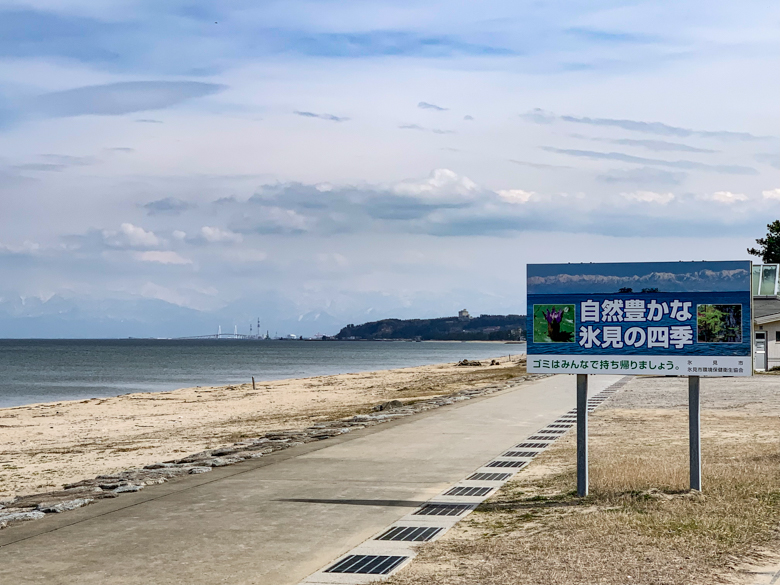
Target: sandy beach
column 48, row 445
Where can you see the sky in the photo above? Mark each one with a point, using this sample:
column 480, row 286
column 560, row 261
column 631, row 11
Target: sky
column 167, row 168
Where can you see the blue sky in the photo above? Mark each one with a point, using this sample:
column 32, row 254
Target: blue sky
column 166, row 168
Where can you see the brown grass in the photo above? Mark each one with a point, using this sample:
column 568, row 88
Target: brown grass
column 640, row 524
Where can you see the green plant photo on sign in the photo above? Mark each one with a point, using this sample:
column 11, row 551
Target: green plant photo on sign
column 719, row 323
column 554, row 324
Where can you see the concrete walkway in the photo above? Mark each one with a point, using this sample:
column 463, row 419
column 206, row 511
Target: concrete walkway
column 278, row 519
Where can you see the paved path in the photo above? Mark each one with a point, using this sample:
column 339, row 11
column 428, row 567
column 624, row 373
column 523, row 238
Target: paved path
column 278, row 519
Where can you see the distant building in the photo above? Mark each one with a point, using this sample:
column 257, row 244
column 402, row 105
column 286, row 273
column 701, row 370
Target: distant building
column 766, row 316
column 464, row 315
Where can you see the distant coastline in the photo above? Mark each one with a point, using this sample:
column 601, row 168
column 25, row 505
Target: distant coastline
column 463, row 327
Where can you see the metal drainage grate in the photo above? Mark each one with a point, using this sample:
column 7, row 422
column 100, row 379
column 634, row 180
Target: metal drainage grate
column 520, row 454
column 469, row 491
column 367, row 564
column 442, row 510
column 541, row 438
column 559, row 426
column 550, row 432
column 410, row 533
column 507, row 464
column 534, row 445
column 489, row 476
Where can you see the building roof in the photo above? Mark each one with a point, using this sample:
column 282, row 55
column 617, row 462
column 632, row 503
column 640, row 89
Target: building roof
column 766, row 307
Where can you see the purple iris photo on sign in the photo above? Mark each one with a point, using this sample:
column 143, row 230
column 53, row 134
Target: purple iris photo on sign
column 649, row 318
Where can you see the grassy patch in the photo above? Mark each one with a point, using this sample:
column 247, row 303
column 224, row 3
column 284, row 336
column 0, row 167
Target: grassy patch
column 639, row 525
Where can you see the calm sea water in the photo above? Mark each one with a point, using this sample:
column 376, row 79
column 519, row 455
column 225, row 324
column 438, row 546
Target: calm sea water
column 50, row 370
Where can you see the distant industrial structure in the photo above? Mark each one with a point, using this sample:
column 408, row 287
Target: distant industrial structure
column 235, row 335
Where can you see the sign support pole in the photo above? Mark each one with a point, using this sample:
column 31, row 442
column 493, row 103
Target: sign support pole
column 694, row 431
column 582, row 435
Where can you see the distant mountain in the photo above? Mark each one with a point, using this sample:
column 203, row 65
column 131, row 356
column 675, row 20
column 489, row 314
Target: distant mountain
column 482, row 328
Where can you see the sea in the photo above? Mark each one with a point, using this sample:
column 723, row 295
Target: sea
column 44, row 370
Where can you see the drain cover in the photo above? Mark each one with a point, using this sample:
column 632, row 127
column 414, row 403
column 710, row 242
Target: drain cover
column 367, row 564
column 469, row 491
column 410, row 533
column 559, row 426
column 534, row 445
column 520, row 454
column 550, row 432
column 541, row 438
column 489, row 476
column 442, row 510
column 506, row 464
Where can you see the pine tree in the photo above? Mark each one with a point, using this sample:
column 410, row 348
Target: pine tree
column 769, row 247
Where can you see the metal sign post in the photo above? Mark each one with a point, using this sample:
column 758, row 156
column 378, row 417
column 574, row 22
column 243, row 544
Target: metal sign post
column 694, row 432
column 582, row 435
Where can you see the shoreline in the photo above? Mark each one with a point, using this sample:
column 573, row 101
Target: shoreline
column 50, row 444
column 58, row 371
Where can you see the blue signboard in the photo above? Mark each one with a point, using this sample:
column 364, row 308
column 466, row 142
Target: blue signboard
column 647, row 318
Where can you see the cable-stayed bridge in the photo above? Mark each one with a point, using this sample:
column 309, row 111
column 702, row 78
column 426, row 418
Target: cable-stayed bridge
column 220, row 335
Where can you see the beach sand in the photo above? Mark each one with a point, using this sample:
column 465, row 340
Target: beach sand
column 47, row 445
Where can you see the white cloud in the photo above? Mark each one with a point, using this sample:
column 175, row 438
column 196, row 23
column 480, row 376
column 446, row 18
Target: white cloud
column 772, row 194
column 216, row 235
column 27, row 247
column 131, row 236
column 162, row 257
column 245, row 256
column 179, row 235
column 440, row 183
column 287, row 218
column 516, row 195
column 333, row 260
column 726, row 197
column 649, row 197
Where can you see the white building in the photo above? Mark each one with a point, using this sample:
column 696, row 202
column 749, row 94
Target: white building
column 766, row 316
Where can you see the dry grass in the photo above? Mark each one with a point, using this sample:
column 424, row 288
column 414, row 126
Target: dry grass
column 640, row 525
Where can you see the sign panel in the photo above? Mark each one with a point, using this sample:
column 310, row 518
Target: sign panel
column 646, row 318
